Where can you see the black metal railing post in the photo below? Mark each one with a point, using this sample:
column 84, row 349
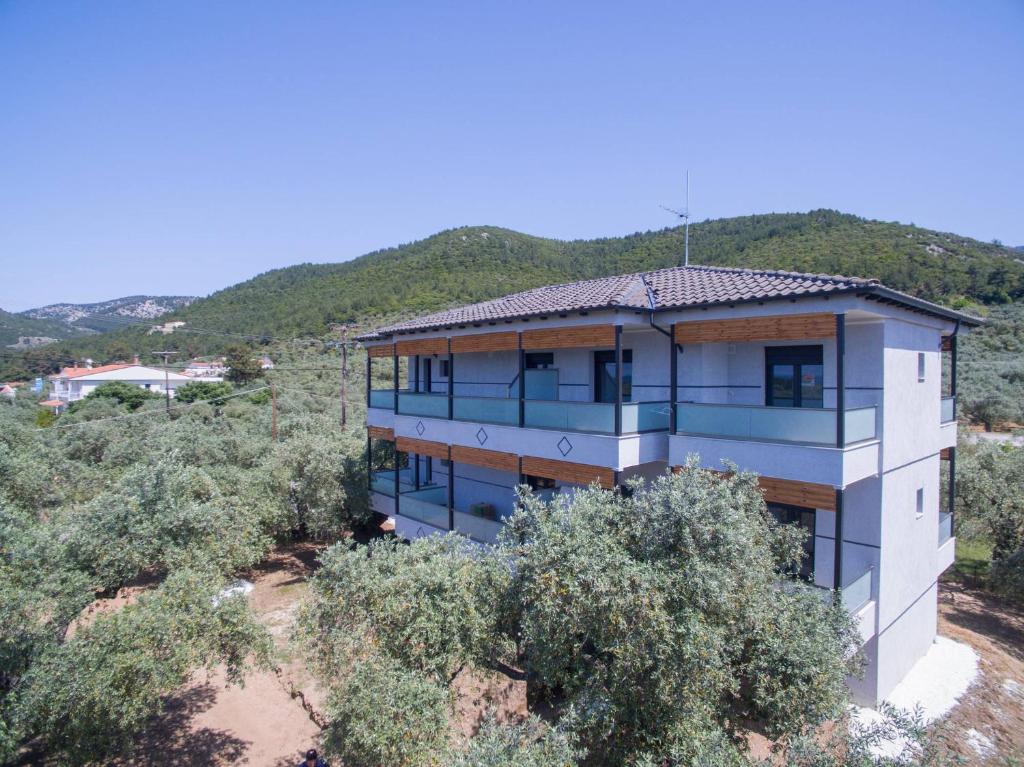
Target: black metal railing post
column 840, row 380
column 618, row 380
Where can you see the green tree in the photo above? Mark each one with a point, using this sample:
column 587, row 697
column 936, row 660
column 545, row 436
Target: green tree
column 130, row 395
column 988, row 495
column 89, row 695
column 656, row 619
column 382, row 715
column 243, row 364
column 203, row 390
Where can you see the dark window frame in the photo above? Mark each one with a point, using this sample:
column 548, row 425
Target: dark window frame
column 605, row 357
column 797, row 356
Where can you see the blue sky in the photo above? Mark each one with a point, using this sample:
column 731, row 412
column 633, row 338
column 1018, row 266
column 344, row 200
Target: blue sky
column 180, row 147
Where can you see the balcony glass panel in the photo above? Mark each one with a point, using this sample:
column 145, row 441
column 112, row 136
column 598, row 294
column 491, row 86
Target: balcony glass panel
column 571, row 416
column 429, row 505
column 383, row 398
column 384, row 481
column 858, row 593
column 945, row 527
column 476, row 527
column 486, row 410
column 860, row 424
column 429, row 405
column 948, row 409
column 645, row 416
column 773, row 424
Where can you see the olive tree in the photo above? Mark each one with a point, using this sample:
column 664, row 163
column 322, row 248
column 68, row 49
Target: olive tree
column 89, row 695
column 655, row 620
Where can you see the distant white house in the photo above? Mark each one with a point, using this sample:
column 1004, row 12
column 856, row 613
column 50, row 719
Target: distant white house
column 8, row 391
column 206, row 370
column 266, row 363
column 72, row 384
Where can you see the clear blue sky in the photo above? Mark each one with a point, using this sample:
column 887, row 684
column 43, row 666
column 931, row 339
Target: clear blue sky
column 180, row 147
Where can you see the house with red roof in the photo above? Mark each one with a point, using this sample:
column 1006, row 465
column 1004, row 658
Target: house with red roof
column 74, row 383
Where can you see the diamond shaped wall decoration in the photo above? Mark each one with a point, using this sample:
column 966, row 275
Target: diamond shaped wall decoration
column 481, row 436
column 564, row 446
column 420, row 428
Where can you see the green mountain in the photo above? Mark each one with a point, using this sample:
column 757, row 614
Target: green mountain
column 475, row 263
column 32, row 332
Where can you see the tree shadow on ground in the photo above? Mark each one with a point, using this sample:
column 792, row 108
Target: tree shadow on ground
column 986, row 614
column 170, row 740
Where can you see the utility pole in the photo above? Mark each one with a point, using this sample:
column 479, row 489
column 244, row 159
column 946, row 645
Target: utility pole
column 167, row 387
column 343, row 332
column 273, row 412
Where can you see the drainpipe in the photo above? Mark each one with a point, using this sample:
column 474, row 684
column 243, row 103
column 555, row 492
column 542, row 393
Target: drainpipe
column 451, row 491
column 394, row 358
column 522, row 381
column 837, row 576
column 951, row 490
column 451, row 379
column 618, row 380
column 674, row 351
column 840, row 381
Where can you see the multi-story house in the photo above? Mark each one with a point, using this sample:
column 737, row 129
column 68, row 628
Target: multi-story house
column 838, row 392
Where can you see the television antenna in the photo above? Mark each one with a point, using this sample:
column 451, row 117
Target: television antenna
column 684, row 214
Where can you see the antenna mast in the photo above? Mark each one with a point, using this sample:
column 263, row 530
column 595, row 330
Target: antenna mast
column 685, row 216
column 686, row 245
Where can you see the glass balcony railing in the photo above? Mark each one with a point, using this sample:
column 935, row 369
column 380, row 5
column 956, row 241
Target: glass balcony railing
column 566, row 415
column 383, row 398
column 476, row 527
column 486, row 410
column 856, row 593
column 947, row 410
column 429, row 505
column 422, row 404
column 945, row 527
column 383, row 481
column 645, row 416
column 810, row 426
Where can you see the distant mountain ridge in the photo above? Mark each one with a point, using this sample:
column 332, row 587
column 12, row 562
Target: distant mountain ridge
column 104, row 315
column 469, row 264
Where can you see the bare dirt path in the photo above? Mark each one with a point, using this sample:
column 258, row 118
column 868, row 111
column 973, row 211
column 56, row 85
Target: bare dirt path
column 987, row 726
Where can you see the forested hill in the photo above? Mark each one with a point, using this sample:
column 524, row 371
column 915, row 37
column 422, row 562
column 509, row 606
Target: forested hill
column 474, row 263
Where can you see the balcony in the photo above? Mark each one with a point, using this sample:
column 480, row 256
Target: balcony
column 802, row 426
column 945, row 527
column 477, row 527
column 383, row 482
column 423, row 404
column 855, row 594
column 947, row 411
column 428, row 505
column 383, row 398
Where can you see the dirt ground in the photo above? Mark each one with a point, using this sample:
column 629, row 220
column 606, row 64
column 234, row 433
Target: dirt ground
column 987, row 726
column 264, row 724
column 260, row 724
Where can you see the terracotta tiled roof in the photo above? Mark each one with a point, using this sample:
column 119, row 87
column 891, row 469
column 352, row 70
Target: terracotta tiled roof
column 76, row 372
column 674, row 288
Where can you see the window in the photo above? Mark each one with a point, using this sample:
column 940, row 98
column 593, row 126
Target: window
column 539, row 360
column 920, row 366
column 920, row 502
column 427, row 366
column 795, row 515
column 604, row 376
column 794, row 376
column 444, row 368
column 540, row 483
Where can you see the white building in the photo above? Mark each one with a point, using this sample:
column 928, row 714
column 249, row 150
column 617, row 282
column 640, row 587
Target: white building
column 73, row 384
column 201, row 369
column 830, row 388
